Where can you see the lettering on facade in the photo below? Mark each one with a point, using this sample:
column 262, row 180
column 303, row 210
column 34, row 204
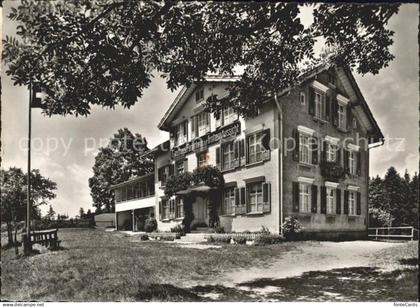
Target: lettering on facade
column 202, row 143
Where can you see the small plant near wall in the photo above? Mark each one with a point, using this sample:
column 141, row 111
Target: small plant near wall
column 332, row 170
column 150, row 224
column 292, row 228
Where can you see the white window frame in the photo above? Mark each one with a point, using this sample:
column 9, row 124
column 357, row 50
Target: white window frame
column 255, row 151
column 228, row 115
column 332, row 152
column 179, row 167
column 229, row 201
column 331, row 199
column 202, row 126
column 202, row 162
column 165, row 209
column 353, row 162
column 228, row 155
column 342, row 110
column 255, row 196
column 179, row 208
column 304, row 197
column 352, row 202
column 305, row 155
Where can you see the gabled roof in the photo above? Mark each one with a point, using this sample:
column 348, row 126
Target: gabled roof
column 373, row 128
column 185, row 92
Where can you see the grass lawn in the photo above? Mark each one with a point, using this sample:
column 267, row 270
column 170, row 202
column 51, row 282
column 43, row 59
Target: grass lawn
column 104, row 266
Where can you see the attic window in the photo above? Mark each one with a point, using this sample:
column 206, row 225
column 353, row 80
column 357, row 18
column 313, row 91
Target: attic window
column 199, row 94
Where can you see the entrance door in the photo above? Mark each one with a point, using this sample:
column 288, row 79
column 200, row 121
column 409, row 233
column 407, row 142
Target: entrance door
column 200, row 210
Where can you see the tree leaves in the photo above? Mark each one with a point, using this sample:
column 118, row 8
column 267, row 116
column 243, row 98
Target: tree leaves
column 103, row 52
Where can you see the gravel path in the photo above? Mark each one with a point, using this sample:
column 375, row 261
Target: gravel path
column 322, row 256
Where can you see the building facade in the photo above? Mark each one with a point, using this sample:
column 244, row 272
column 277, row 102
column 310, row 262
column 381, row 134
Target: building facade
column 306, row 155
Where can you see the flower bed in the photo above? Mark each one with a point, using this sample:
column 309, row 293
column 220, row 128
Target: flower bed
column 244, row 238
column 164, row 236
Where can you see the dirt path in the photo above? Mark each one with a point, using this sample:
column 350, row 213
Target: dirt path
column 317, row 256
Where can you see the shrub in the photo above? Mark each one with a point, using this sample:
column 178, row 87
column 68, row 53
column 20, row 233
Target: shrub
column 291, row 228
column 267, row 239
column 150, row 224
column 264, row 230
column 180, row 228
column 246, row 232
column 144, row 237
column 239, row 240
column 219, row 239
column 219, row 229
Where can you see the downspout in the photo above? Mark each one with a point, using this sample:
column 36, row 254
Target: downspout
column 280, row 115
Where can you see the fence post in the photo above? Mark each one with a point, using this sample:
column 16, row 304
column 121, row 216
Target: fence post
column 412, row 233
column 376, row 234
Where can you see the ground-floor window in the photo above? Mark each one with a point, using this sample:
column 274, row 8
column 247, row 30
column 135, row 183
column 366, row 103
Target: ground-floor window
column 165, row 209
column 330, row 200
column 255, row 197
column 228, row 201
column 304, row 197
column 179, row 210
column 352, row 203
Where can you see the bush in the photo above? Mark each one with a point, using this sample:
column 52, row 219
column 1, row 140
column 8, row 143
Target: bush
column 180, row 228
column 144, row 237
column 268, row 239
column 219, row 229
column 239, row 240
column 219, row 239
column 292, row 228
column 150, row 224
column 264, row 230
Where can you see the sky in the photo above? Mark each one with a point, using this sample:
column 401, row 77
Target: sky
column 64, row 148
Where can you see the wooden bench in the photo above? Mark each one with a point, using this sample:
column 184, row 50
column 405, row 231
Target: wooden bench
column 47, row 238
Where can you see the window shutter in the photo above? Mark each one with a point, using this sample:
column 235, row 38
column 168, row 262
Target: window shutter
column 296, row 149
column 358, row 204
column 338, row 201
column 314, row 149
column 185, row 165
column 346, row 161
column 295, row 196
column 338, row 155
column 242, row 196
column 208, row 121
column 327, row 107
column 334, row 111
column 160, row 210
column 236, row 149
column 323, row 200
column 218, row 164
column 242, row 152
column 171, row 169
column 266, row 139
column 314, row 198
column 266, row 188
column 193, row 130
column 324, row 151
column 349, row 117
column 346, row 202
column 236, row 190
column 247, row 200
column 359, row 163
column 218, row 118
column 311, row 101
column 246, row 150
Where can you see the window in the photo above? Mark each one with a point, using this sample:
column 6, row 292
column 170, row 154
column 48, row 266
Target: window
column 304, row 148
column 255, row 197
column 229, row 201
column 302, row 98
column 228, row 156
column 330, row 200
column 166, row 213
column 352, row 162
column 319, row 105
column 203, row 123
column 229, row 116
column 202, row 159
column 304, row 197
column 254, row 148
column 199, row 94
column 341, row 116
column 179, row 167
column 331, row 152
column 352, row 203
column 181, row 133
column 179, row 210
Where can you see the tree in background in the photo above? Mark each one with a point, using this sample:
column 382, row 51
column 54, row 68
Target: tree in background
column 119, row 161
column 50, row 214
column 14, row 197
column 393, row 201
column 81, row 212
column 102, row 52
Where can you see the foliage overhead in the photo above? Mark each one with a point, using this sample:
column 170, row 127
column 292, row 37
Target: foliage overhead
column 104, row 52
column 119, row 161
